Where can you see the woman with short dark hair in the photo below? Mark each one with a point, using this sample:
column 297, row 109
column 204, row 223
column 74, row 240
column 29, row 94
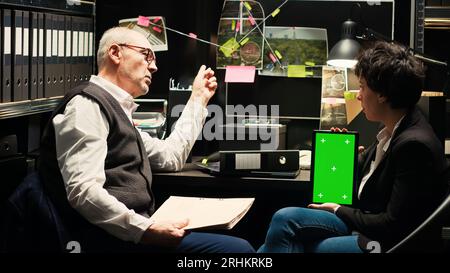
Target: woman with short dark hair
column 400, row 176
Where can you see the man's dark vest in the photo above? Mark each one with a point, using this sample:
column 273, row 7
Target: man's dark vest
column 127, row 169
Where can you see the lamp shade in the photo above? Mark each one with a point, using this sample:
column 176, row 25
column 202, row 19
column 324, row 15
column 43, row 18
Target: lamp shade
column 344, row 52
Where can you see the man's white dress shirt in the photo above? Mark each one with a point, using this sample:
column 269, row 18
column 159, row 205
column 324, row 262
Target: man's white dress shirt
column 81, row 133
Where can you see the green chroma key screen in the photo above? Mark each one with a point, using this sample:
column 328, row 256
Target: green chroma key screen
column 333, row 166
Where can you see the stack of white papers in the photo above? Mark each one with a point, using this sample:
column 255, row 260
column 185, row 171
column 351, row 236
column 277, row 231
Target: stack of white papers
column 204, row 213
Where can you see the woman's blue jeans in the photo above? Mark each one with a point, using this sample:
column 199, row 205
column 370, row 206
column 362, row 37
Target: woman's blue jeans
column 296, row 230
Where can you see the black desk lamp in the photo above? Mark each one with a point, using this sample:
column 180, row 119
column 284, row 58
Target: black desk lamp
column 344, row 52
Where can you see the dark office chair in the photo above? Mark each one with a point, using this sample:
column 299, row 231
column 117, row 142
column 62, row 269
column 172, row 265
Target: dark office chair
column 31, row 222
column 433, row 234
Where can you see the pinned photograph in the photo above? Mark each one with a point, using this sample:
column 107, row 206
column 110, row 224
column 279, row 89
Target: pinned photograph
column 294, row 52
column 333, row 111
column 240, row 35
column 153, row 27
column 333, row 115
column 334, row 82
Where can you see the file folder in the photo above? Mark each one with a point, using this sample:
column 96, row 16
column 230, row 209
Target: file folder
column 85, row 37
column 60, row 58
column 40, row 59
column 47, row 54
column 54, row 58
column 81, row 46
column 87, row 68
column 6, row 56
column 91, row 54
column 68, row 54
column 50, row 56
column 34, row 42
column 17, row 89
column 75, row 49
column 26, row 55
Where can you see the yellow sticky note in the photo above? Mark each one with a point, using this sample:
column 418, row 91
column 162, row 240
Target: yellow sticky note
column 204, row 161
column 275, row 12
column 245, row 41
column 352, row 105
column 233, row 25
column 310, row 64
column 350, row 95
column 309, row 73
column 296, row 71
column 278, row 54
column 247, row 5
column 229, row 47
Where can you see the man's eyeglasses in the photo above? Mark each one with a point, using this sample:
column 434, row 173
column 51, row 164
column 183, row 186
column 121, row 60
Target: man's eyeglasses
column 147, row 52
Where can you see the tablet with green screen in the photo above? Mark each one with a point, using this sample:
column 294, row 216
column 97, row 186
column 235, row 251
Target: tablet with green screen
column 333, row 166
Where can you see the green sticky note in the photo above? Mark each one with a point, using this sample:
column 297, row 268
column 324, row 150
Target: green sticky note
column 229, row 47
column 350, row 95
column 247, row 5
column 278, row 54
column 296, row 71
column 309, row 73
column 245, row 41
column 233, row 25
column 310, row 64
column 275, row 12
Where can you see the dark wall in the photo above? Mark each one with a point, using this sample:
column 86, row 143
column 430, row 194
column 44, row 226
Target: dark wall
column 437, row 46
column 201, row 17
column 185, row 55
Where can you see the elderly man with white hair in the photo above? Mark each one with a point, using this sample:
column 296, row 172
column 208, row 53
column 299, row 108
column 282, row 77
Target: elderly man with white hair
column 96, row 166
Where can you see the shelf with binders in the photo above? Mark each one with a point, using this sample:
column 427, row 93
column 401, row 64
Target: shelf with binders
column 73, row 7
column 28, row 107
column 43, row 55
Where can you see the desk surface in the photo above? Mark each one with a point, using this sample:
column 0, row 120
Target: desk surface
column 190, row 170
column 193, row 176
